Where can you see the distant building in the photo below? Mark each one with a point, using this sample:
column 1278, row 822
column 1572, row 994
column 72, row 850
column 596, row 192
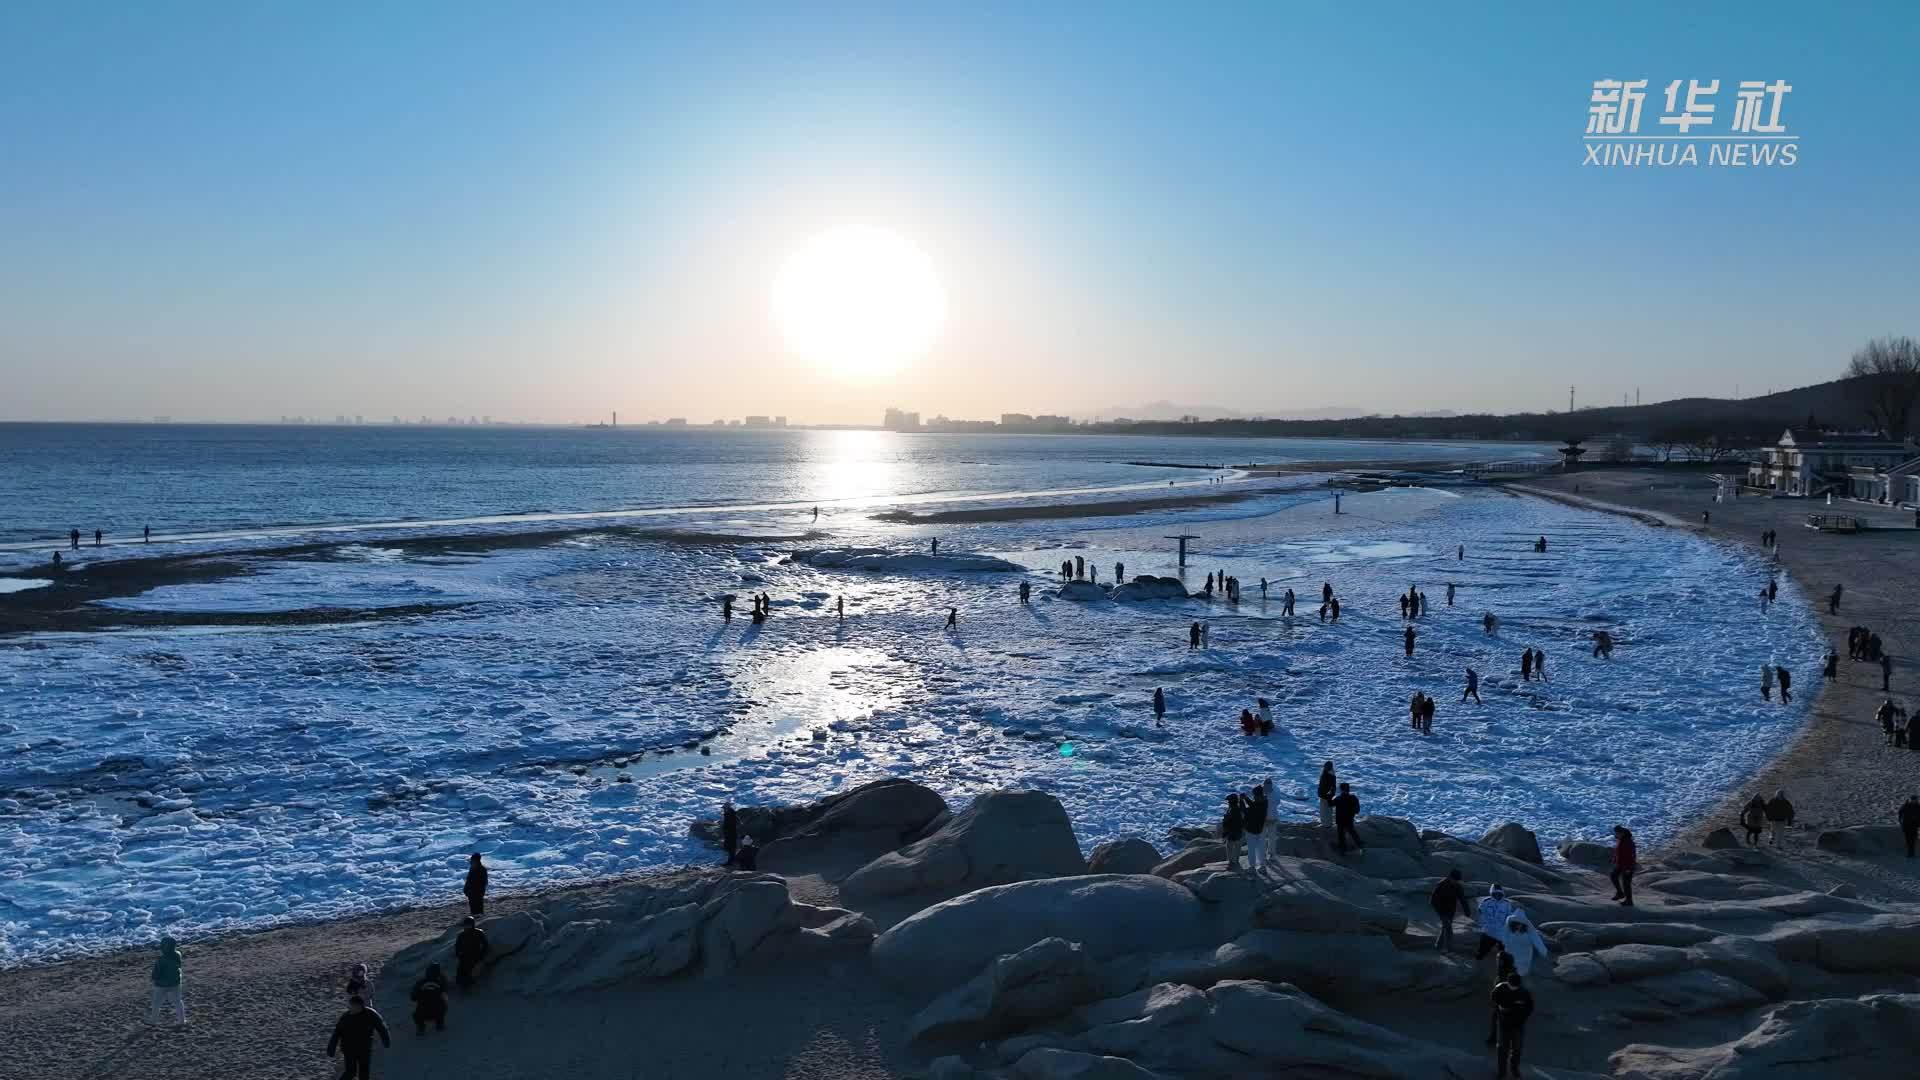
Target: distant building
column 1015, row 419
column 677, row 421
column 759, row 421
column 1810, row 463
column 899, row 420
column 779, row 421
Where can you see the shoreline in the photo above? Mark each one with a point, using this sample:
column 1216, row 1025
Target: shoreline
column 1835, row 767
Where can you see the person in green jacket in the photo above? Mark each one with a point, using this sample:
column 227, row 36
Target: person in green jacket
column 166, row 985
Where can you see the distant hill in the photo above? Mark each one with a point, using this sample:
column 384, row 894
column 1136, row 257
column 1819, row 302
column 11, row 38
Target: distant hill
column 1742, row 421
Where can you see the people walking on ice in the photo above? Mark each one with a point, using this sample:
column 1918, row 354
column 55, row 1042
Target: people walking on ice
column 1079, row 566
column 1602, row 645
column 1526, row 666
column 1460, row 553
column 1329, row 787
column 1119, row 573
column 840, row 603
column 1403, row 606
column 1206, row 634
column 474, row 888
column 1449, row 594
column 1249, row 725
column 1773, row 589
column 1026, row 591
column 1473, row 688
column 1540, row 544
column 1833, row 600
column 168, row 998
column 429, row 997
column 146, row 534
column 816, row 513
column 1410, row 635
column 1426, row 713
column 1326, row 592
column 1265, row 714
column 353, row 1038
column 1334, row 608
column 1779, row 816
column 726, row 608
column 1886, row 672
column 1626, row 862
column 936, row 546
column 1346, row 811
column 1766, row 682
column 1193, row 636
column 1263, row 588
column 1286, row 605
column 1831, row 669
column 1909, row 817
column 953, row 617
column 1489, row 624
column 1785, row 678
column 74, row 538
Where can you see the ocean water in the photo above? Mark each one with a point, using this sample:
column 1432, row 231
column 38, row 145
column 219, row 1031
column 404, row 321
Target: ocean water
column 549, row 700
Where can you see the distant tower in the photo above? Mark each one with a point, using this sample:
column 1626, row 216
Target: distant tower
column 1569, row 399
column 616, row 419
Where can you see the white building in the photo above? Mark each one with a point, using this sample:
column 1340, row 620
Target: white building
column 1811, row 463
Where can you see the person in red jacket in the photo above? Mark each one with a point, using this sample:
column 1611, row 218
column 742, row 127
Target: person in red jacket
column 1625, row 862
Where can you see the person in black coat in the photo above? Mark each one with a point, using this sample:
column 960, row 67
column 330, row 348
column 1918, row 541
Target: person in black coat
column 1449, row 898
column 1910, row 822
column 430, row 1000
column 1512, row 1005
column 1233, row 828
column 468, row 950
column 729, row 831
column 1346, row 810
column 476, row 885
column 353, row 1037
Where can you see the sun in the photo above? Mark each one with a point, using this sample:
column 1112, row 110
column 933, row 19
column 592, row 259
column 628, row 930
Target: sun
column 859, row 301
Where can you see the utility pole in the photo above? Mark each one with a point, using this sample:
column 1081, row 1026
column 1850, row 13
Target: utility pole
column 1569, row 399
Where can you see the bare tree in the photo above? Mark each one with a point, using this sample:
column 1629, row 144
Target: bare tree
column 1887, row 374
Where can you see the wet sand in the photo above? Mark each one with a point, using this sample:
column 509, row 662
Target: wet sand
column 1838, row 771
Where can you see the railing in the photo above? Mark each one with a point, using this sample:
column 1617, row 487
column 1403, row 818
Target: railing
column 1833, row 522
column 1510, row 468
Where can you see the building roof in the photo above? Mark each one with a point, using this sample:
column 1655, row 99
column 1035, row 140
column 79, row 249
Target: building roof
column 1809, row 439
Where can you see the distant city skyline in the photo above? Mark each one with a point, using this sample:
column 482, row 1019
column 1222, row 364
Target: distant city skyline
column 226, row 212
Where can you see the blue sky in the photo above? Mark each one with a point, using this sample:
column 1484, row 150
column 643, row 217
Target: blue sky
column 245, row 210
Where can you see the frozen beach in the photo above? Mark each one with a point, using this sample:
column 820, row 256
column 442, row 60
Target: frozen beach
column 569, row 705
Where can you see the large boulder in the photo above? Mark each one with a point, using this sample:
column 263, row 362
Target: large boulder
column 1053, row 1063
column 1333, row 967
column 1721, row 839
column 1196, row 854
column 1005, row 836
column 1240, row 1029
column 706, row 923
column 1515, row 841
column 1128, row 855
column 844, row 830
column 1877, row 1036
column 1149, row 587
column 1109, row 915
column 1865, row 840
column 1081, row 590
column 1849, row 943
column 1393, row 849
column 1586, row 853
column 1046, row 979
column 1485, row 865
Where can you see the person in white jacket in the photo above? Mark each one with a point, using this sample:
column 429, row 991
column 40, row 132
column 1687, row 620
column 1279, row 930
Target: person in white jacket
column 1493, row 920
column 1523, row 943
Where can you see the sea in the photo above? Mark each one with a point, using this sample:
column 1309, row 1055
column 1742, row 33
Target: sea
column 351, row 655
